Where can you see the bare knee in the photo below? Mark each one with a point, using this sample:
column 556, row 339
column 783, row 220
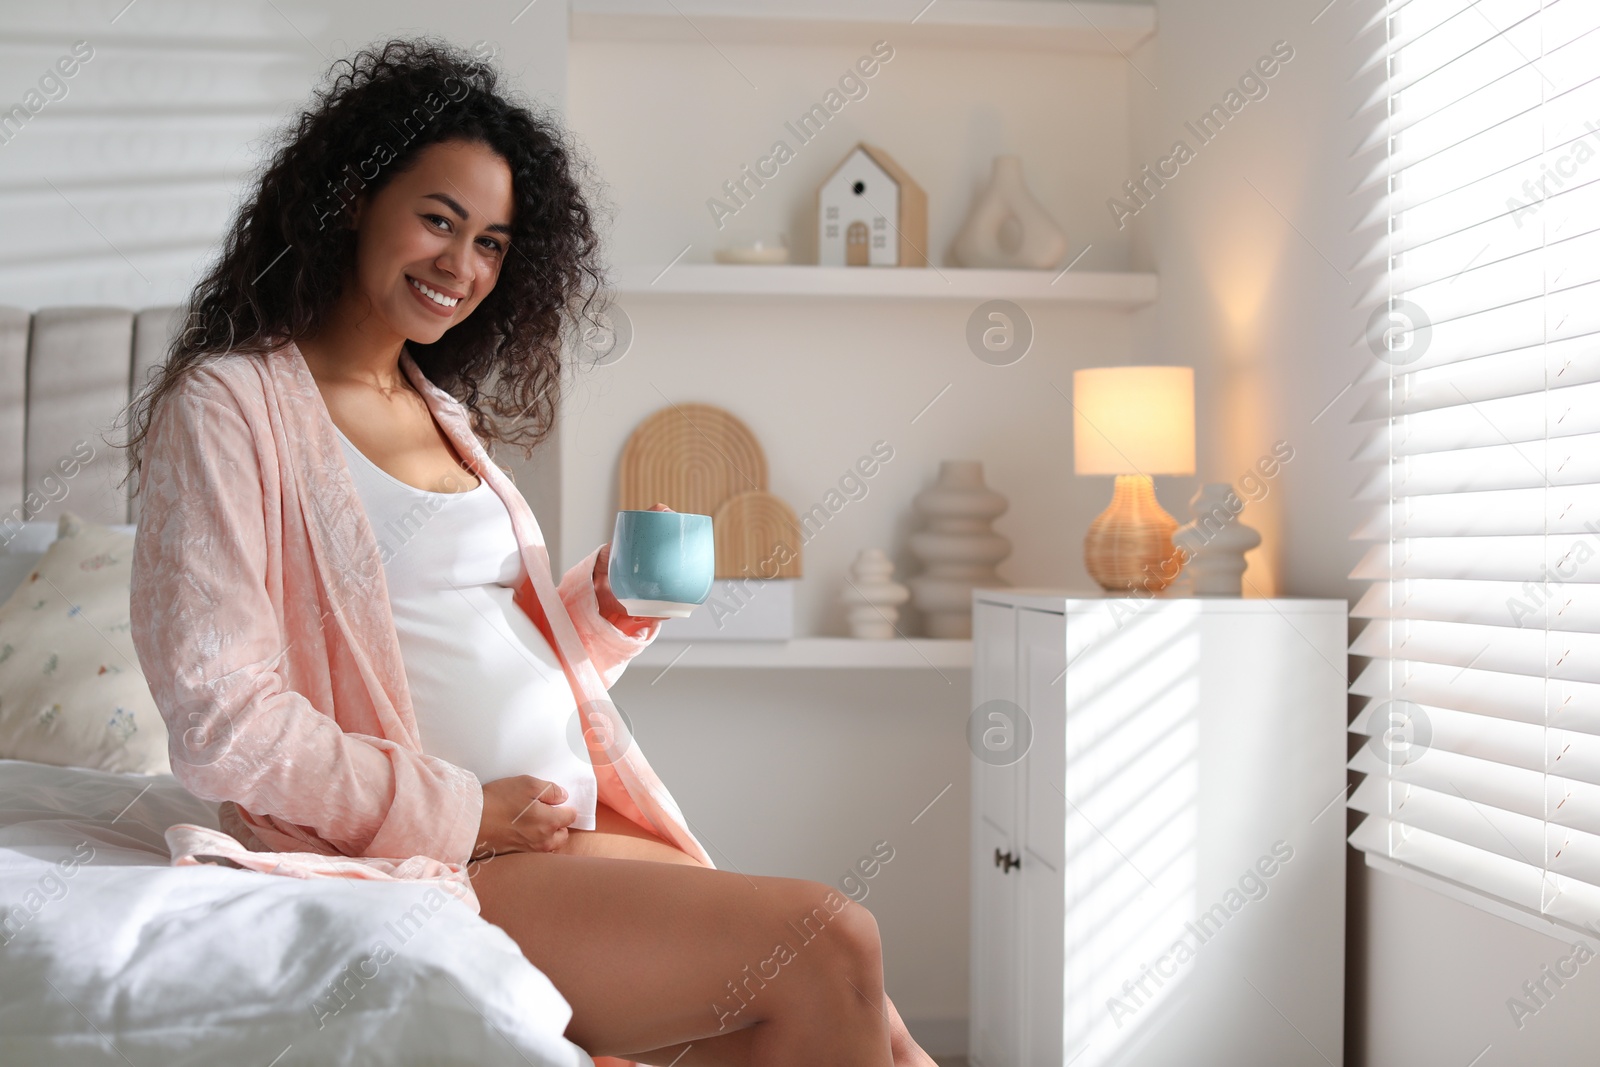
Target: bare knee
column 844, row 933
column 860, row 942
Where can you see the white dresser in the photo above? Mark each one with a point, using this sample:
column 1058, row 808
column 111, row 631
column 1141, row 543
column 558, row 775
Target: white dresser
column 1158, row 833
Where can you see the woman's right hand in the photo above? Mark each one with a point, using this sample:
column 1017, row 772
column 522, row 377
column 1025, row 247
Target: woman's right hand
column 520, row 815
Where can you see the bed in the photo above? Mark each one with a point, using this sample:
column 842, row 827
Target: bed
column 108, row 953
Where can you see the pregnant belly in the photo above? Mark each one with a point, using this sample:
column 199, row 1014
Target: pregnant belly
column 616, row 836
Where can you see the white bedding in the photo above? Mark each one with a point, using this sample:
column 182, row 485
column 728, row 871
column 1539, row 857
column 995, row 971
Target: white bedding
column 108, row 955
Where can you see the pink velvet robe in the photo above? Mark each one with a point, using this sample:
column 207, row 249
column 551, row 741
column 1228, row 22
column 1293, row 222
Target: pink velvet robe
column 261, row 619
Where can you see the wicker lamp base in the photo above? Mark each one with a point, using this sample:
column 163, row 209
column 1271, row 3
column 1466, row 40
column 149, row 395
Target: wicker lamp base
column 1129, row 546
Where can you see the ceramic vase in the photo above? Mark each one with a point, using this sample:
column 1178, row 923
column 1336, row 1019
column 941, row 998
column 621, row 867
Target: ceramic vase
column 1008, row 228
column 872, row 597
column 958, row 549
column 1215, row 541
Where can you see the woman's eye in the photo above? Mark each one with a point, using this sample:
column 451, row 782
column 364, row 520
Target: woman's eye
column 492, row 244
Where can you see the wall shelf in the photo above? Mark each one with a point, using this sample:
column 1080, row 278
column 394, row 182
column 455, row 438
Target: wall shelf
column 1105, row 288
column 1082, row 26
column 908, row 653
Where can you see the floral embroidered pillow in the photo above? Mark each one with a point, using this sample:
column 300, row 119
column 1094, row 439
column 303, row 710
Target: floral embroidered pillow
column 71, row 692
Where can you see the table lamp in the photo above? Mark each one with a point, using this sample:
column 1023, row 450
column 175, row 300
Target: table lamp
column 1132, row 422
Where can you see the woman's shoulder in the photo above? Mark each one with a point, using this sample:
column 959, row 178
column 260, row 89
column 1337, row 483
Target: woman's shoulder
column 234, row 379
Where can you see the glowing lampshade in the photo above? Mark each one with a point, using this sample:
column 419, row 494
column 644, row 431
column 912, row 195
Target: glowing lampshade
column 1133, row 420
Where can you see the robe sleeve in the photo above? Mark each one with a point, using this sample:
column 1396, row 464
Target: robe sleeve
column 609, row 648
column 210, row 644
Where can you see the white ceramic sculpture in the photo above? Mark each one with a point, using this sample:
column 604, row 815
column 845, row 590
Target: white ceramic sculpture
column 1214, row 541
column 958, row 549
column 1008, row 228
column 871, row 596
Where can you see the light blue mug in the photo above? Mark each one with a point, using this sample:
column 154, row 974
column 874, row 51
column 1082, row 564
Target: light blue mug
column 662, row 562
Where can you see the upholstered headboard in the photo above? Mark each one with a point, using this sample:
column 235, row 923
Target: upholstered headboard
column 66, row 376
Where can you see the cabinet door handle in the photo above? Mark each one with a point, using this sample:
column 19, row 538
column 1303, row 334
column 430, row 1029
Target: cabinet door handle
column 1007, row 861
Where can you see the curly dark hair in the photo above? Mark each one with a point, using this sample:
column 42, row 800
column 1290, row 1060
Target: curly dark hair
column 285, row 259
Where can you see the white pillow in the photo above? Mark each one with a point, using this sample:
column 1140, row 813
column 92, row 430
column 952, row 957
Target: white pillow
column 71, row 692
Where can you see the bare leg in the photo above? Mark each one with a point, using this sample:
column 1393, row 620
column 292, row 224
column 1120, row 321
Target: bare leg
column 655, row 954
column 733, row 1050
column 619, row 837
column 907, row 1053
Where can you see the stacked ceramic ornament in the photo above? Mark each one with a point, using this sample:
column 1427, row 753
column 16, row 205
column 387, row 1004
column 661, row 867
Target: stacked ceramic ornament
column 958, row 550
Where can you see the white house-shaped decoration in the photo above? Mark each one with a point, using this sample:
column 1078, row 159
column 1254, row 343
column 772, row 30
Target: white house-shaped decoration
column 871, row 214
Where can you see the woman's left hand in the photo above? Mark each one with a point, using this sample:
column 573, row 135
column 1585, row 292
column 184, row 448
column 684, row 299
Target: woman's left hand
column 610, row 607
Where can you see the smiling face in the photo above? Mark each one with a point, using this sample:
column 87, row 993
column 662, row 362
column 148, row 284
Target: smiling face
column 443, row 225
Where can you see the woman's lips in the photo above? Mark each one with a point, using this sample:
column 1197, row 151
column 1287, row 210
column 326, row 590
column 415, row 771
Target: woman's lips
column 427, row 302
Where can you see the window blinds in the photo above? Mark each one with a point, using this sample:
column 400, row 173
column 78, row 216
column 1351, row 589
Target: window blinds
column 1482, row 694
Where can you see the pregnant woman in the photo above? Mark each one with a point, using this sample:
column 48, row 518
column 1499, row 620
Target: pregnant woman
column 345, row 610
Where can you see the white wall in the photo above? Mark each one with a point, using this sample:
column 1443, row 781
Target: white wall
column 1274, row 330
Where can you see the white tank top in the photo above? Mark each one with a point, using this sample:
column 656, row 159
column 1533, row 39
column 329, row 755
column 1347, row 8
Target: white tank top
column 488, row 691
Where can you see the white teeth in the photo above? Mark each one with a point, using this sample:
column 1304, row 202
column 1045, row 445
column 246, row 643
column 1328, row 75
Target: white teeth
column 434, row 295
